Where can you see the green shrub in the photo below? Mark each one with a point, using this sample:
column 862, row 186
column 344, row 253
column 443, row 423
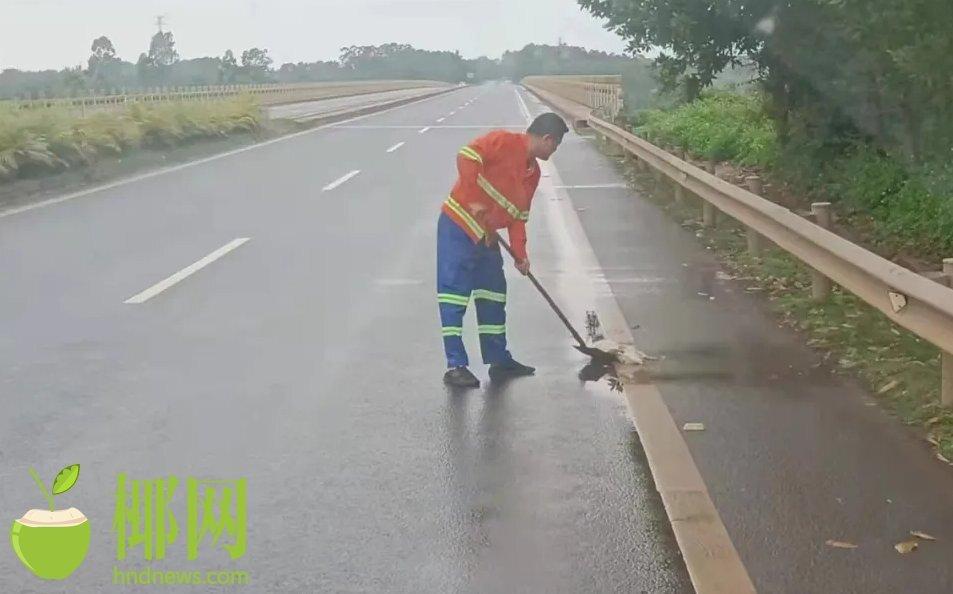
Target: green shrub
column 722, row 126
column 33, row 141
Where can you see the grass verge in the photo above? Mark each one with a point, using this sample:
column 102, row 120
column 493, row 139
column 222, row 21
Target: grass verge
column 38, row 142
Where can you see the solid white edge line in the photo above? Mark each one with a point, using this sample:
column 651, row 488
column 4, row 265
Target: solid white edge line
column 340, row 180
column 185, row 272
column 395, row 147
column 165, row 170
column 710, row 556
column 523, row 107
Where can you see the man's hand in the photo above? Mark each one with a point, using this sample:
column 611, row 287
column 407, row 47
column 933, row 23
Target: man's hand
column 523, row 266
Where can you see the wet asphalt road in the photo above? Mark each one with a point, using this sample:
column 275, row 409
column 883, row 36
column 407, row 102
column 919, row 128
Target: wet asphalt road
column 308, row 360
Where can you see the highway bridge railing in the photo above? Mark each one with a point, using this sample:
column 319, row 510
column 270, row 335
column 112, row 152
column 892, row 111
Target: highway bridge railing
column 266, row 94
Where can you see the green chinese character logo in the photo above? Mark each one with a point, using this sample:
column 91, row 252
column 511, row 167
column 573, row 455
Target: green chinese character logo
column 142, row 516
column 223, row 507
column 216, row 512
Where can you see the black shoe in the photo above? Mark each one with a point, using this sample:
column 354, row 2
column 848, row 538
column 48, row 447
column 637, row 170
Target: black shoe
column 511, row 368
column 460, row 377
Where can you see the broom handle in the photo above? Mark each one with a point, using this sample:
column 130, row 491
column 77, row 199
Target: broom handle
column 545, row 295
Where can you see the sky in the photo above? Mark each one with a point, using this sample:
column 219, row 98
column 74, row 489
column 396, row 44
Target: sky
column 39, row 34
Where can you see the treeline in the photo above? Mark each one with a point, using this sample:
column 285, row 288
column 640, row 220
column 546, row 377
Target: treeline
column 835, row 72
column 161, row 65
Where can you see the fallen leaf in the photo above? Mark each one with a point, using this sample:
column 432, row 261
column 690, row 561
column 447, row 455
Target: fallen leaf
column 922, row 535
column 694, row 427
column 906, row 546
column 838, row 544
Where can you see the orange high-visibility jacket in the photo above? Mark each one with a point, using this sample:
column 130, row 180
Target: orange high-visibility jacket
column 497, row 173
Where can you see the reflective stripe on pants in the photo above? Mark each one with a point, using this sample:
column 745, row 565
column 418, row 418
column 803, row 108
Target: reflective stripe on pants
column 466, row 269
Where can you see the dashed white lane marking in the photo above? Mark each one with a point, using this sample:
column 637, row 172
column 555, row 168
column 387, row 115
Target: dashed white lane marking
column 185, row 272
column 341, row 180
column 440, row 120
column 454, row 112
column 592, row 187
column 395, row 147
column 422, row 130
column 136, row 178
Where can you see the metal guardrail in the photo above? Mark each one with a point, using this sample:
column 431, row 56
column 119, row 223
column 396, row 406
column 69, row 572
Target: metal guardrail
column 923, row 304
column 603, row 93
column 267, row 94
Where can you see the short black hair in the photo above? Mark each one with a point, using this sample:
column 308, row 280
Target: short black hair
column 548, row 123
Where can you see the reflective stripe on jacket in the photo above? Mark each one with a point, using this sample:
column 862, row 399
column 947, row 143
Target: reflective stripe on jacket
column 497, row 180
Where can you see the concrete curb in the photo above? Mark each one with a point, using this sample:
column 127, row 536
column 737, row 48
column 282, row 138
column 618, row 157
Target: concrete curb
column 710, row 557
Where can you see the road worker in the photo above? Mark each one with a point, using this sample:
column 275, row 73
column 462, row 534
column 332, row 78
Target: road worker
column 498, row 175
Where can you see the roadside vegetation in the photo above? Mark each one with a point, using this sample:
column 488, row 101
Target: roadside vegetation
column 896, row 206
column 853, row 339
column 43, row 141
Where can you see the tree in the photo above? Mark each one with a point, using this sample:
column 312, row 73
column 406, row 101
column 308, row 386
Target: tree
column 102, row 61
column 256, row 64
column 837, row 72
column 228, row 68
column 74, row 81
column 102, row 49
column 162, row 50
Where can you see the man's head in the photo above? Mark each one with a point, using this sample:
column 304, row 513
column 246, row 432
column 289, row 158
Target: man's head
column 545, row 133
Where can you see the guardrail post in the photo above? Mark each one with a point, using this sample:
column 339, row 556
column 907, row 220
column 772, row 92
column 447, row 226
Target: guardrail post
column 709, row 214
column 753, row 237
column 820, row 284
column 679, row 194
column 946, row 359
column 946, row 379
